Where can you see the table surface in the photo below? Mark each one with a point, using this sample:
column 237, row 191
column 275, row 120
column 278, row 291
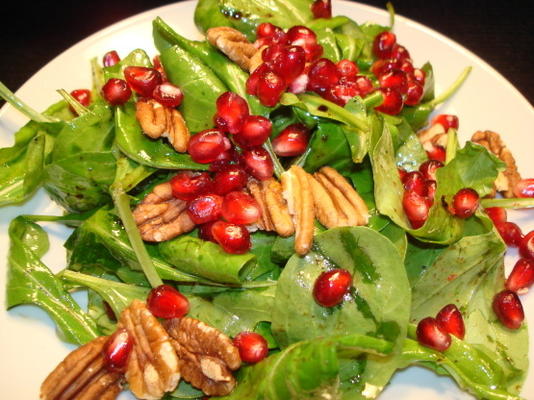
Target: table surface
column 500, row 33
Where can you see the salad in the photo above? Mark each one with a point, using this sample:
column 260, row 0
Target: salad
column 288, row 185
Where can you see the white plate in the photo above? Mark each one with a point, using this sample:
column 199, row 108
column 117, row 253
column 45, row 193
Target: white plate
column 29, row 347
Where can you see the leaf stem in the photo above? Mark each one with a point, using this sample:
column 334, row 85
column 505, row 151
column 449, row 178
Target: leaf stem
column 25, row 109
column 508, row 203
column 452, row 145
column 278, row 169
column 452, row 89
column 76, row 106
column 391, row 11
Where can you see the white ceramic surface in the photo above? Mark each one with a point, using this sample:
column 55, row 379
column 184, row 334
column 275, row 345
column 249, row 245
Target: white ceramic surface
column 29, row 347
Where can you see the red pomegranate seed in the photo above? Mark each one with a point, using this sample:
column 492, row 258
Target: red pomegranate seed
column 266, row 29
column 166, row 302
column 522, row 276
column 399, row 53
column 526, row 246
column 524, row 188
column 381, row 67
column 322, row 9
column 143, row 80
column 508, row 308
column 168, row 95
column 383, row 44
column 269, row 34
column 252, row 347
column 254, row 132
column 496, row 214
column 395, row 79
column 204, row 147
column 464, row 203
column 187, row 185
column 429, row 168
column 430, row 187
column 258, row 163
column 289, row 63
column 240, row 208
column 117, row 350
column 116, row 92
column 270, row 88
column 430, row 334
column 234, row 239
column 204, row 232
column 331, row 286
column 110, row 59
column 447, row 121
column 307, row 39
column 365, row 86
column 392, row 103
column 323, row 75
column 254, row 79
column 205, row 208
column 414, row 93
column 347, row 68
column 342, row 92
column 407, row 67
column 300, row 83
column 292, row 141
column 419, row 76
column 229, row 179
column 159, row 67
column 82, row 96
column 450, row 320
column 416, row 208
column 232, row 110
column 510, row 233
column 414, row 181
column 270, row 53
column 437, row 153
column 402, row 173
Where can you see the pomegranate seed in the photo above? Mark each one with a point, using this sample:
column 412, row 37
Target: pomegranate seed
column 292, row 141
column 395, row 79
column 381, row 67
column 168, row 95
column 419, row 76
column 159, row 67
column 429, row 168
column 254, row 79
column 430, row 187
column 270, row 53
column 407, row 67
column 323, row 75
column 524, row 188
column 347, row 68
column 416, row 208
column 496, row 214
column 270, row 88
column 269, row 34
column 116, row 92
column 402, row 173
column 300, row 83
column 447, row 121
column 414, row 93
column 430, row 334
column 383, row 44
column 526, row 246
column 109, row 311
column 266, row 29
column 252, row 347
column 399, row 53
column 254, row 132
column 414, row 181
column 510, row 233
column 392, row 103
column 289, row 63
column 82, row 96
column 450, row 320
column 232, row 110
column 331, row 286
column 205, row 233
column 205, row 208
column 322, row 9
column 234, row 239
column 365, row 86
column 117, row 350
column 258, row 163
column 437, row 153
column 307, row 39
column 204, row 147
column 229, row 179
column 166, row 302
column 143, row 80
column 240, row 208
column 110, row 59
column 464, row 203
column 187, row 185
column 508, row 308
column 522, row 276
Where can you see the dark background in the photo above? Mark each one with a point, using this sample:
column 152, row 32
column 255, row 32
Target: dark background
column 499, row 32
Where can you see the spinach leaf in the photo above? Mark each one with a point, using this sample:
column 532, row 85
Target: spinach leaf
column 29, row 281
column 208, row 15
column 327, row 39
column 328, row 146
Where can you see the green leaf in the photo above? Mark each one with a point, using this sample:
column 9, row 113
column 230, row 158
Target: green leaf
column 137, row 58
column 208, row 15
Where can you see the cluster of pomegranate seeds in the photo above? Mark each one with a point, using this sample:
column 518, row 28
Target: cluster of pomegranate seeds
column 166, row 302
column 117, row 350
column 82, row 96
column 331, row 286
column 400, row 83
column 464, row 203
column 436, row 332
column 322, row 9
column 292, row 141
column 252, row 347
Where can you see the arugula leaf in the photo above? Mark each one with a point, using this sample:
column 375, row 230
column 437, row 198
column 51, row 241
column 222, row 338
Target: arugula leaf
column 29, row 281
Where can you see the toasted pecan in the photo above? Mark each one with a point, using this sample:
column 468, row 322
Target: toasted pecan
column 234, row 45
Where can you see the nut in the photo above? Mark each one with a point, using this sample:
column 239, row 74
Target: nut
column 159, row 121
column 207, row 356
column 153, row 366
column 160, row 216
column 235, row 45
column 507, row 179
column 82, row 375
column 433, row 136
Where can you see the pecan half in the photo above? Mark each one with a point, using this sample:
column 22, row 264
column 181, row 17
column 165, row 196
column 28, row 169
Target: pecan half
column 207, row 356
column 234, row 45
column 160, row 216
column 506, row 180
column 82, row 375
column 158, row 121
column 433, row 136
column 153, row 366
